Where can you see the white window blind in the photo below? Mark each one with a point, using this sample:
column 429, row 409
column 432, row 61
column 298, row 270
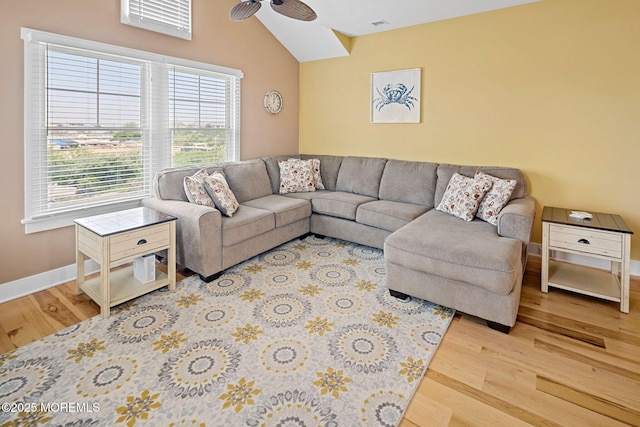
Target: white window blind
column 201, row 117
column 101, row 120
column 95, row 152
column 171, row 17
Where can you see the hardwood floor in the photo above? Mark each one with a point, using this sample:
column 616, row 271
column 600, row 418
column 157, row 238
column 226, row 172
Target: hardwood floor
column 570, row 360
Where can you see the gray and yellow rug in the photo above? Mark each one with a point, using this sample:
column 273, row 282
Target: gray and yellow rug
column 303, row 335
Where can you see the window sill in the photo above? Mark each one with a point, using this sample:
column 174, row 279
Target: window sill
column 66, row 219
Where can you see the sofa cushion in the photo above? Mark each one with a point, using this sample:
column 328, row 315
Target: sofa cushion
column 388, row 215
column 409, row 182
column 296, row 175
column 315, row 171
column 360, row 175
column 309, row 195
column 329, row 168
column 248, row 179
column 273, row 169
column 497, row 197
column 463, row 195
column 219, row 191
column 195, row 189
column 445, row 172
column 339, row 204
column 168, row 184
column 287, row 210
column 247, row 222
column 472, row 252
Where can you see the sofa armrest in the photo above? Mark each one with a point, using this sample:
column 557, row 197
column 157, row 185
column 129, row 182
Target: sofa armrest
column 516, row 219
column 198, row 234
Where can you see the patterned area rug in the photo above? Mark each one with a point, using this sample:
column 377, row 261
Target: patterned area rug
column 303, row 335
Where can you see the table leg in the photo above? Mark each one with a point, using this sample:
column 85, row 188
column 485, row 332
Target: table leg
column 105, row 280
column 624, row 273
column 544, row 282
column 79, row 264
column 171, row 257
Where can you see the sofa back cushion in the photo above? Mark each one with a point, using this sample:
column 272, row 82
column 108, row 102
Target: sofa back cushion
column 329, row 168
column 248, row 179
column 445, row 172
column 409, row 182
column 168, row 184
column 360, row 175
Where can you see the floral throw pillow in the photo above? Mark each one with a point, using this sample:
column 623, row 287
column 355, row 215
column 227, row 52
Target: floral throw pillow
column 194, row 188
column 463, row 195
column 496, row 199
column 315, row 170
column 221, row 194
column 296, row 175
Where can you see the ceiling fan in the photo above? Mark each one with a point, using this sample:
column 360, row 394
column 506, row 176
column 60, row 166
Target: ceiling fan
column 295, row 9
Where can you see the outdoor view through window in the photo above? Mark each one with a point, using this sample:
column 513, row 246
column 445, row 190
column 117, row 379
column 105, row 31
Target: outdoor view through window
column 103, row 116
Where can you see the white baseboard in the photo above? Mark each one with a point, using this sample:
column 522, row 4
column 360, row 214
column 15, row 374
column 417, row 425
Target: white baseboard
column 535, row 249
column 38, row 282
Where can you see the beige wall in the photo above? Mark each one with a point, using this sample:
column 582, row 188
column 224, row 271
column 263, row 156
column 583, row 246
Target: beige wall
column 551, row 87
column 247, row 46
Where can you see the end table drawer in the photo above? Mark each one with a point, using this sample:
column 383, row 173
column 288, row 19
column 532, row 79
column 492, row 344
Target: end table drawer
column 139, row 242
column 586, row 240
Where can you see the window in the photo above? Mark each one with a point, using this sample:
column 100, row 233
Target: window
column 171, row 17
column 198, row 117
column 101, row 120
column 94, row 146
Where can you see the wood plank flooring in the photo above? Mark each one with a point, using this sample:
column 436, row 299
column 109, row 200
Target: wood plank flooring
column 571, row 360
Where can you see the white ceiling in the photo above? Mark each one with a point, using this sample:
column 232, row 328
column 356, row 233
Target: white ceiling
column 308, row 41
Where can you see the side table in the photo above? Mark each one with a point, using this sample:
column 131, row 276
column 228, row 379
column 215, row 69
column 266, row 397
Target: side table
column 119, row 237
column 605, row 236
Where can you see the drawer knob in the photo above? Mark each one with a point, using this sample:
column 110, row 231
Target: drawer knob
column 584, row 241
column 143, row 241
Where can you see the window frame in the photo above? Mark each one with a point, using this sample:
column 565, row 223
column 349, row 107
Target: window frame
column 154, row 80
column 130, row 16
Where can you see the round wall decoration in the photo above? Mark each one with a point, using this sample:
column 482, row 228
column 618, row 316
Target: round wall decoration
column 273, row 102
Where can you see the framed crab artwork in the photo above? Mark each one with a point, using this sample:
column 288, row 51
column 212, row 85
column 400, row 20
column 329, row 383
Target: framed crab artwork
column 395, row 96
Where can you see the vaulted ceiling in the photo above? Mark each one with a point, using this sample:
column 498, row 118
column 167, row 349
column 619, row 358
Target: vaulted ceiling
column 309, row 41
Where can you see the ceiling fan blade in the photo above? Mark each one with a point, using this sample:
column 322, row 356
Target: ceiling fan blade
column 294, row 9
column 244, row 10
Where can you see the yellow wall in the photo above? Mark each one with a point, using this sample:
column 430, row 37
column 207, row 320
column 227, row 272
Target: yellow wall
column 247, row 46
column 551, row 87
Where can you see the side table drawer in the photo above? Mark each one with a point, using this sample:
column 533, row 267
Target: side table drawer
column 585, row 240
column 139, row 242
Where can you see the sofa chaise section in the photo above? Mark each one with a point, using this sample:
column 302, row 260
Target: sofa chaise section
column 474, row 266
column 483, row 266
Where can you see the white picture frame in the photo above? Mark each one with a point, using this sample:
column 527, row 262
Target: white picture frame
column 396, row 96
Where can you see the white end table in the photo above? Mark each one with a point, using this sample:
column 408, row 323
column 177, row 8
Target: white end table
column 605, row 236
column 119, row 237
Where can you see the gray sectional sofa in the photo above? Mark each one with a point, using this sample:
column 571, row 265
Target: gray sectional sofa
column 474, row 267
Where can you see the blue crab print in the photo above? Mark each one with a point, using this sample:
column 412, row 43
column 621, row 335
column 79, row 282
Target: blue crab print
column 396, row 93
